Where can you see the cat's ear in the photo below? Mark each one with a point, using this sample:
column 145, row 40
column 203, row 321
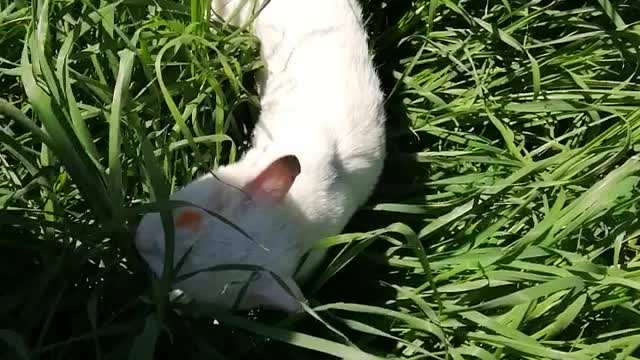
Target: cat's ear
column 274, row 182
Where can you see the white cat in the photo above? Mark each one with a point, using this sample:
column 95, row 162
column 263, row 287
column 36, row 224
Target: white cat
column 318, row 149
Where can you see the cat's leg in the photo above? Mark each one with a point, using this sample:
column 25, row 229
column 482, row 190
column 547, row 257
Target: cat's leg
column 236, row 12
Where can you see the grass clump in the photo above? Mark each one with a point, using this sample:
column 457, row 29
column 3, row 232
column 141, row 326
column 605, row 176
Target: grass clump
column 505, row 225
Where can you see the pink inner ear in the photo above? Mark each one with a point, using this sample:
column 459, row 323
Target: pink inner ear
column 274, row 182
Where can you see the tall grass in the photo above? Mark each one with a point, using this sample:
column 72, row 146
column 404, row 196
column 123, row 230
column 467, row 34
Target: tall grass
column 505, row 225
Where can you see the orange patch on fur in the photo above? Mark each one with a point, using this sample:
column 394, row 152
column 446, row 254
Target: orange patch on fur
column 189, row 218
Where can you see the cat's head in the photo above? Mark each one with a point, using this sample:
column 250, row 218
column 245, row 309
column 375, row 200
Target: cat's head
column 252, row 203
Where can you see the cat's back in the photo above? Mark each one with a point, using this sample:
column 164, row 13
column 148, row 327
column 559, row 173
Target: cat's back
column 321, row 101
column 319, row 74
column 321, row 87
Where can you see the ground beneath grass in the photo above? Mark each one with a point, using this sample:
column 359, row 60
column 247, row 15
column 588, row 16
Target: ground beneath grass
column 505, row 225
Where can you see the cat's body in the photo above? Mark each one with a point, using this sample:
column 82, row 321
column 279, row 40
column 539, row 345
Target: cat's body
column 320, row 102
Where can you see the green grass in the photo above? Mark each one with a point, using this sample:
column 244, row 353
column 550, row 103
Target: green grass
column 505, row 225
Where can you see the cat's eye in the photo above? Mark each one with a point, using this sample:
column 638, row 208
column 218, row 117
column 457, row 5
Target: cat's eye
column 189, row 218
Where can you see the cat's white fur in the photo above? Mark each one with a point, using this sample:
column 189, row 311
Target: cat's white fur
column 321, row 102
